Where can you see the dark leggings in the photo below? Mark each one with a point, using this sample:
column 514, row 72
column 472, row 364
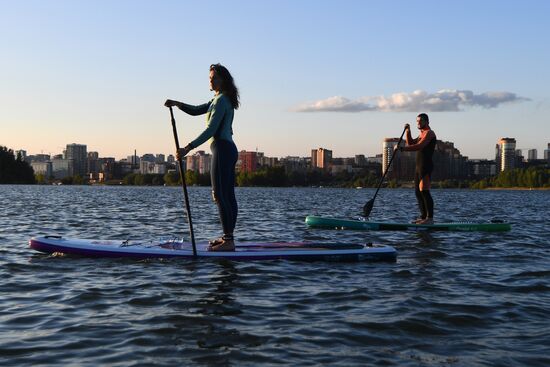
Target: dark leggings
column 222, row 175
column 424, row 198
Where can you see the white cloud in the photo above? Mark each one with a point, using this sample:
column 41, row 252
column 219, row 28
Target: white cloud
column 419, row 100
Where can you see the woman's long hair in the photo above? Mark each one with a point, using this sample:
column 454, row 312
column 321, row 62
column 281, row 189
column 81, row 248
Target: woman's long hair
column 228, row 87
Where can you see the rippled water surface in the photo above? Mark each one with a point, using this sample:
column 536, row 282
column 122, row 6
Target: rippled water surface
column 458, row 299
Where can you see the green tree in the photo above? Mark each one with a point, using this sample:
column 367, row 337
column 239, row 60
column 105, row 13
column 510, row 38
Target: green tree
column 78, row 180
column 172, row 179
column 139, row 179
column 13, row 170
column 393, row 184
column 40, row 179
column 157, row 180
column 530, row 177
column 129, row 179
column 275, row 176
column 242, row 179
column 67, row 180
column 191, row 178
column 296, row 178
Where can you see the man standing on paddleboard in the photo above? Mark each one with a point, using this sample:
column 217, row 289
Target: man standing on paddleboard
column 424, row 146
column 219, row 118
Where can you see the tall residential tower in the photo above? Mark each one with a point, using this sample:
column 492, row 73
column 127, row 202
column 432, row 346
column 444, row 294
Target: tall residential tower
column 77, row 152
column 321, row 158
column 506, row 154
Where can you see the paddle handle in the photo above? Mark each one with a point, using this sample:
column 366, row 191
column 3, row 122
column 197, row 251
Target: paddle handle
column 183, row 185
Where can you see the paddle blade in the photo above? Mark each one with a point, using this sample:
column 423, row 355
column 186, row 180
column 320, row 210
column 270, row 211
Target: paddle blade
column 368, row 208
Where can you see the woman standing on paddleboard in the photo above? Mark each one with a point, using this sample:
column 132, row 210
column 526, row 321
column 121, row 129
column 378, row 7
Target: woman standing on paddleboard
column 219, row 119
column 424, row 146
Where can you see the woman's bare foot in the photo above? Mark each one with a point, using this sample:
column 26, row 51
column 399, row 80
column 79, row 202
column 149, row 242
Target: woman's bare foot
column 225, row 245
column 215, row 242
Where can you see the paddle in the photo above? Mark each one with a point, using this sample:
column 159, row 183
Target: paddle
column 183, row 185
column 368, row 206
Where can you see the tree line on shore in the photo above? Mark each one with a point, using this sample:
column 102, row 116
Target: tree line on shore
column 532, row 177
column 13, row 169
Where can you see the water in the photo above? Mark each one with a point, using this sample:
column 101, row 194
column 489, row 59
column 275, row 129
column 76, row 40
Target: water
column 456, row 299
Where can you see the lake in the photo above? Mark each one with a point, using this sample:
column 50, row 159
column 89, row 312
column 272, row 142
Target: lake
column 452, row 298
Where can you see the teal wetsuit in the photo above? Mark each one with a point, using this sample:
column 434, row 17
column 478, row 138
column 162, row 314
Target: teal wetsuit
column 219, row 119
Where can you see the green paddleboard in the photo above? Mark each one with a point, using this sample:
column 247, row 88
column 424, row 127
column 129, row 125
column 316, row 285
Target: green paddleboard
column 336, row 223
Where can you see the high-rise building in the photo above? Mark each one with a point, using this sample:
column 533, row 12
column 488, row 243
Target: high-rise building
column 37, row 158
column 205, row 163
column 148, row 158
column 448, row 162
column 133, row 160
column 248, row 161
column 388, row 147
column 21, row 153
column 42, row 168
column 199, row 162
column 62, row 168
column 152, row 168
column 519, row 157
column 360, row 160
column 403, row 164
column 321, row 158
column 547, row 153
column 481, row 168
column 192, row 163
column 531, row 154
column 506, row 154
column 264, row 161
column 377, row 159
column 160, row 158
column 77, row 153
column 313, row 158
column 293, row 164
column 93, row 162
column 107, row 168
column 341, row 165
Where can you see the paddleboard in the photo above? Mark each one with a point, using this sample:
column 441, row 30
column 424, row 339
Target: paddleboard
column 171, row 248
column 336, row 223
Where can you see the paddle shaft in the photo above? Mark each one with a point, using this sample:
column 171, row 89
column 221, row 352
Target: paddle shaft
column 183, row 185
column 389, row 165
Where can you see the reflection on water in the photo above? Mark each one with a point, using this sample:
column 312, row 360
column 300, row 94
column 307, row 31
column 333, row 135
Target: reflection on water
column 450, row 299
column 426, row 238
column 220, row 301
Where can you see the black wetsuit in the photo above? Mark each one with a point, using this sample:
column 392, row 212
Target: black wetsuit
column 424, row 167
column 222, row 175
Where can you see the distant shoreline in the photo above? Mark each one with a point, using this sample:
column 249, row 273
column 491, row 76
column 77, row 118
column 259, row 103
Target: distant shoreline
column 328, row 187
column 519, row 188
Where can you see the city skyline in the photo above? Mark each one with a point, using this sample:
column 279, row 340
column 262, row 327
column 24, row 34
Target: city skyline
column 76, row 163
column 97, row 73
column 531, row 153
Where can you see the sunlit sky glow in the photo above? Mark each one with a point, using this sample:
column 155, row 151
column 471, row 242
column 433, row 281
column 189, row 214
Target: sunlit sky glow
column 342, row 75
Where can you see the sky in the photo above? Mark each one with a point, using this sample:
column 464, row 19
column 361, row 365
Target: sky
column 342, row 75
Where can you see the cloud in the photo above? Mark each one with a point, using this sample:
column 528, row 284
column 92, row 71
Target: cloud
column 419, row 100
